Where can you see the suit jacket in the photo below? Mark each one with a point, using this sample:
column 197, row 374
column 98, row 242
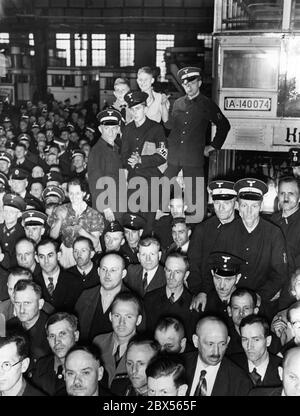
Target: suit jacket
column 106, row 344
column 157, row 305
column 32, row 391
column 44, row 377
column 230, row 380
column 266, row 391
column 7, row 308
column 66, row 293
column 134, row 279
column 85, row 309
column 90, row 280
column 271, row 378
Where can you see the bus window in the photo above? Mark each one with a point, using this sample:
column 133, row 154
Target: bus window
column 255, row 69
column 289, row 86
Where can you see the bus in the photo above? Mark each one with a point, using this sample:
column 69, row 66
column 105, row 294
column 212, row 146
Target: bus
column 256, row 83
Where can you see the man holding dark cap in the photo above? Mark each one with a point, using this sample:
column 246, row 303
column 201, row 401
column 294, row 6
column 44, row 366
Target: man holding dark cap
column 143, row 151
column 189, row 121
column 11, row 230
column 104, row 164
column 259, row 242
column 205, row 235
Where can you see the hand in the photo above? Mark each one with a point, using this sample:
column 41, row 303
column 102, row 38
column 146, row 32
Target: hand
column 279, row 326
column 165, row 100
column 198, row 300
column 61, row 212
column 134, row 159
column 109, row 215
column 207, row 150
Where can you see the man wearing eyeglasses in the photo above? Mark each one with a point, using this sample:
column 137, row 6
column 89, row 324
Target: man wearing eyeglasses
column 14, row 361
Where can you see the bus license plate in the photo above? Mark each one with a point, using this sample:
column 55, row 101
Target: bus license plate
column 247, row 104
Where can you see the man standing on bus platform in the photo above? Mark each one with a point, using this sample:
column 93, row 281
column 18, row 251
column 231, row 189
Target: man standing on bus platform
column 189, row 121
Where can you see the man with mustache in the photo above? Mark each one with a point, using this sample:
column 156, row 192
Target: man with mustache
column 209, row 372
column 288, row 219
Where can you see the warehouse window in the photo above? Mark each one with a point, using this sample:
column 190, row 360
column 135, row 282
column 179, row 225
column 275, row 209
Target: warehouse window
column 63, row 43
column 31, row 43
column 207, row 37
column 80, row 43
column 126, row 50
column 4, row 37
column 163, row 42
column 98, row 49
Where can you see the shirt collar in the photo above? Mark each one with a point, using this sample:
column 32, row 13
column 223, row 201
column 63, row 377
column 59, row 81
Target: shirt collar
column 87, row 271
column 261, row 369
column 54, row 275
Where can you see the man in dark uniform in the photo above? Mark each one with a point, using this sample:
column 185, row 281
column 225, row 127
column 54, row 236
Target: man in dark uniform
column 225, row 275
column 294, row 157
column 288, row 219
column 11, row 230
column 257, row 241
column 105, row 161
column 133, row 225
column 143, row 151
column 5, row 162
column 205, row 235
column 34, row 223
column 189, row 121
column 18, row 182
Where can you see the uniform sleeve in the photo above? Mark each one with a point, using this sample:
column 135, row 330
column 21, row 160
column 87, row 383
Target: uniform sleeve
column 221, row 123
column 278, row 269
column 125, row 149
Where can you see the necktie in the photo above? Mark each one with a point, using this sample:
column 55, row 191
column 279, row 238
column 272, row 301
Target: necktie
column 117, row 355
column 172, row 298
column 255, row 377
column 59, row 373
column 50, row 286
column 145, row 282
column 201, row 389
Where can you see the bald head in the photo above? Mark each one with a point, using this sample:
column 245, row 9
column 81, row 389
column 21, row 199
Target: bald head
column 211, row 339
column 291, row 372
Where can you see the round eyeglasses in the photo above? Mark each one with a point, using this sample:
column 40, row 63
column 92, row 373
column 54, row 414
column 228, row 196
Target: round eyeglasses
column 7, row 366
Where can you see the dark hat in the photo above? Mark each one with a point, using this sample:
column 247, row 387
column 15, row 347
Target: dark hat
column 5, row 156
column 70, row 126
column 34, row 217
column 109, row 117
column 14, row 201
column 133, row 221
column 294, row 155
column 251, row 189
column 90, row 129
column 113, row 227
column 54, row 176
column 188, row 74
column 10, row 144
column 135, row 97
column 3, row 179
column 6, row 119
column 34, row 203
column 224, row 264
column 19, row 174
column 78, row 152
column 59, row 141
column 53, row 190
column 35, row 126
column 222, row 190
column 25, row 137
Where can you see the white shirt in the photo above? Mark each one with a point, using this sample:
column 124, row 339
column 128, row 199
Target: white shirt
column 150, row 274
column 53, row 275
column 261, row 369
column 210, row 377
column 85, row 271
column 185, row 247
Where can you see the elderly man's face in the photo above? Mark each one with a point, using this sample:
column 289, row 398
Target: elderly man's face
column 61, row 337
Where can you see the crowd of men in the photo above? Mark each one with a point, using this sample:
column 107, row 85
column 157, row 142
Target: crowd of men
column 98, row 300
